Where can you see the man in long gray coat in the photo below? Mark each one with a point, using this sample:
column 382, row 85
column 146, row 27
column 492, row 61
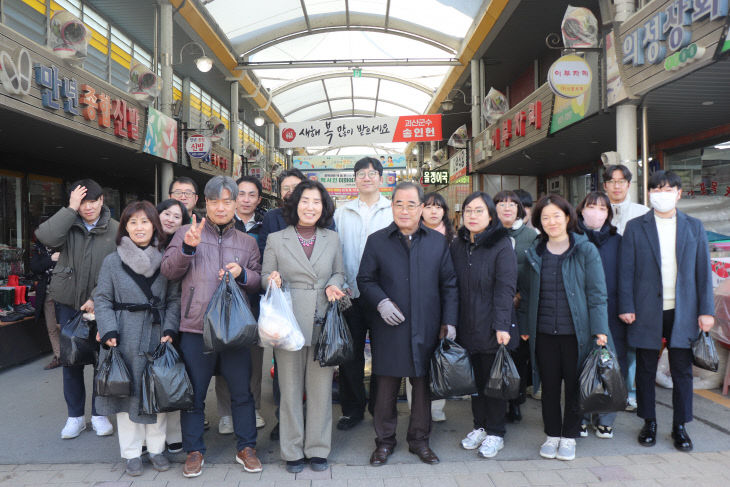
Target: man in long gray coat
column 407, row 273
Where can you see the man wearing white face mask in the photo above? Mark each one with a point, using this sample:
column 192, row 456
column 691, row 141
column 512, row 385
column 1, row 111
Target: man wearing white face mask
column 665, row 291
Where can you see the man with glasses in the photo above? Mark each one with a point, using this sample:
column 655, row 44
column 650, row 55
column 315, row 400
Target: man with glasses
column 407, row 274
column 665, row 291
column 185, row 190
column 616, row 182
column 355, row 221
column 199, row 254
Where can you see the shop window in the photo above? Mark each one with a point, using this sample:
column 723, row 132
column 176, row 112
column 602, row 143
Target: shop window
column 705, row 171
column 27, row 18
column 11, row 225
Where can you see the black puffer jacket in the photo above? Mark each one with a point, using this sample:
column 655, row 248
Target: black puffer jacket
column 486, row 271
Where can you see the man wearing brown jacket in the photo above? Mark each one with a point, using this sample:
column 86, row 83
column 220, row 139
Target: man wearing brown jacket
column 199, row 254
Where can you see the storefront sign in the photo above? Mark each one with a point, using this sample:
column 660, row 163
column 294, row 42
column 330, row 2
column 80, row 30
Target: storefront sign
column 216, row 162
column 436, row 177
column 570, row 76
column 360, row 131
column 615, row 91
column 337, row 162
column 16, row 74
column 161, row 137
column 198, row 146
column 568, row 110
column 458, row 165
column 684, row 57
column 517, row 126
column 342, row 183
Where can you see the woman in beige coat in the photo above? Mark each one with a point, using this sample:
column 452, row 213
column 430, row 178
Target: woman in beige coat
column 306, row 258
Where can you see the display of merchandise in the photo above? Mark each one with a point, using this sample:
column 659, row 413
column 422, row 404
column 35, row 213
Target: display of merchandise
column 14, row 305
column 11, row 261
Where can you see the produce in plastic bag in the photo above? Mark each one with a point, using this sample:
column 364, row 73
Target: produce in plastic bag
column 228, row 322
column 165, row 383
column 278, row 326
column 451, row 372
column 579, row 28
column 504, row 380
column 601, row 385
column 335, row 345
column 78, row 341
column 704, row 354
column 494, row 106
column 112, row 376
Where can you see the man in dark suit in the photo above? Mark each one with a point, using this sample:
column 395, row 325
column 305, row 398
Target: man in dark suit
column 665, row 291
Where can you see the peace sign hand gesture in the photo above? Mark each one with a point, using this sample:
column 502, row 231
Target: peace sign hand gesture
column 192, row 236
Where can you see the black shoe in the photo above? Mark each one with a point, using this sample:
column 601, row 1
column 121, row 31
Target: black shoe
column 682, row 441
column 295, row 466
column 647, row 436
column 348, row 422
column 274, row 435
column 522, row 398
column 174, row 447
column 318, row 464
column 514, row 415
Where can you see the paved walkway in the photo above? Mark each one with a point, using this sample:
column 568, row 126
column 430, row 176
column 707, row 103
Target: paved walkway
column 666, row 469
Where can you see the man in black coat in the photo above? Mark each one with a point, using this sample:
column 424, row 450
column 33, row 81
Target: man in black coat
column 406, row 273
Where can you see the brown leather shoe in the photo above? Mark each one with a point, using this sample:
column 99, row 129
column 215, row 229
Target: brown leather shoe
column 380, row 456
column 193, row 464
column 247, row 457
column 425, row 454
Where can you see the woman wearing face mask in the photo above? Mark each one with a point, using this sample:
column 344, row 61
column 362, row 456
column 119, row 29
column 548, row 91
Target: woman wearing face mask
column 136, row 309
column 486, row 269
column 173, row 215
column 566, row 311
column 512, row 215
column 594, row 219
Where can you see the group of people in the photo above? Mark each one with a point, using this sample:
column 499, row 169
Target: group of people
column 550, row 287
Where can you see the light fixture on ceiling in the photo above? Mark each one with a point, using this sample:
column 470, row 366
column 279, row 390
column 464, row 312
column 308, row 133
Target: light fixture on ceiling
column 203, row 63
column 259, row 120
column 414, row 151
column 708, row 103
column 448, row 104
column 289, row 152
column 723, row 146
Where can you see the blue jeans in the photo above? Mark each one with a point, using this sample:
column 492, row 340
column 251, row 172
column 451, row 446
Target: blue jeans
column 74, row 389
column 235, row 367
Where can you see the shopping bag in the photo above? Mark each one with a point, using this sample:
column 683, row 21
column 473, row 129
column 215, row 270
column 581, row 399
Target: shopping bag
column 228, row 322
column 704, row 353
column 335, row 345
column 504, row 380
column 165, row 383
column 278, row 326
column 601, row 384
column 78, row 341
column 112, row 376
column 451, row 371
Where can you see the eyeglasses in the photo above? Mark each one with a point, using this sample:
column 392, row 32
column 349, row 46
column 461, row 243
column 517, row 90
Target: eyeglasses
column 617, row 182
column 186, row 194
column 505, row 205
column 287, row 189
column 410, row 207
column 475, row 212
column 369, row 174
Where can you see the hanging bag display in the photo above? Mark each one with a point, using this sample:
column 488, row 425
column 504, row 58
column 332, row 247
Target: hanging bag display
column 78, row 341
column 112, row 376
column 451, row 371
column 228, row 322
column 278, row 327
column 504, row 380
column 704, row 353
column 165, row 383
column 601, row 384
column 335, row 345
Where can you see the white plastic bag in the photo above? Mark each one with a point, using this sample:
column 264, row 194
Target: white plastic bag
column 278, row 326
column 494, row 106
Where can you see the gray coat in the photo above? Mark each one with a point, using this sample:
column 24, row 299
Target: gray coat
column 307, row 279
column 135, row 330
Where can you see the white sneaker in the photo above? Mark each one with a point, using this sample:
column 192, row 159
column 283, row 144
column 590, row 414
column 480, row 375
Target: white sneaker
column 549, row 449
column 491, row 446
column 566, row 451
column 631, row 404
column 474, row 439
column 260, row 423
column 102, row 426
column 73, row 428
column 438, row 416
column 604, row 431
column 583, row 430
column 225, row 425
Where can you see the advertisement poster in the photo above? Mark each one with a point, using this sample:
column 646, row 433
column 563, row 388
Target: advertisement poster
column 575, row 89
column 342, row 183
column 360, row 131
column 336, row 162
column 615, row 91
column 161, row 138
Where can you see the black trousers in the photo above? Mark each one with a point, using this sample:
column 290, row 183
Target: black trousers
column 521, row 357
column 488, row 412
column 74, row 389
column 353, row 398
column 680, row 366
column 557, row 360
column 386, row 412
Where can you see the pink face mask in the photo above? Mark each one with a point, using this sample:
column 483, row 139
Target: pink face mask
column 594, row 218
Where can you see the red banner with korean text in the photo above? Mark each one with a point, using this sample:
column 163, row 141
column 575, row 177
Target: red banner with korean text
column 418, row 128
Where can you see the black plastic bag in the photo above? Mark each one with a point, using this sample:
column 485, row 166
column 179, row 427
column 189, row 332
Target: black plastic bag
column 704, row 353
column 335, row 345
column 504, row 380
column 112, row 376
column 165, row 383
column 78, row 341
column 451, row 372
column 228, row 322
column 601, row 384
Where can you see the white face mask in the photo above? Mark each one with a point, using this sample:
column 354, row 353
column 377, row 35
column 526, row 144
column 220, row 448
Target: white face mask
column 594, row 218
column 663, row 201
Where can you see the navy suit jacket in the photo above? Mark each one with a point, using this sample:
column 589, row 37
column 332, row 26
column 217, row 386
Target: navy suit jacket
column 640, row 281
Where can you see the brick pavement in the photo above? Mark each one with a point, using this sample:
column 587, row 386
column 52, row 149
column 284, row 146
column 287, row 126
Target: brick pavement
column 706, row 469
